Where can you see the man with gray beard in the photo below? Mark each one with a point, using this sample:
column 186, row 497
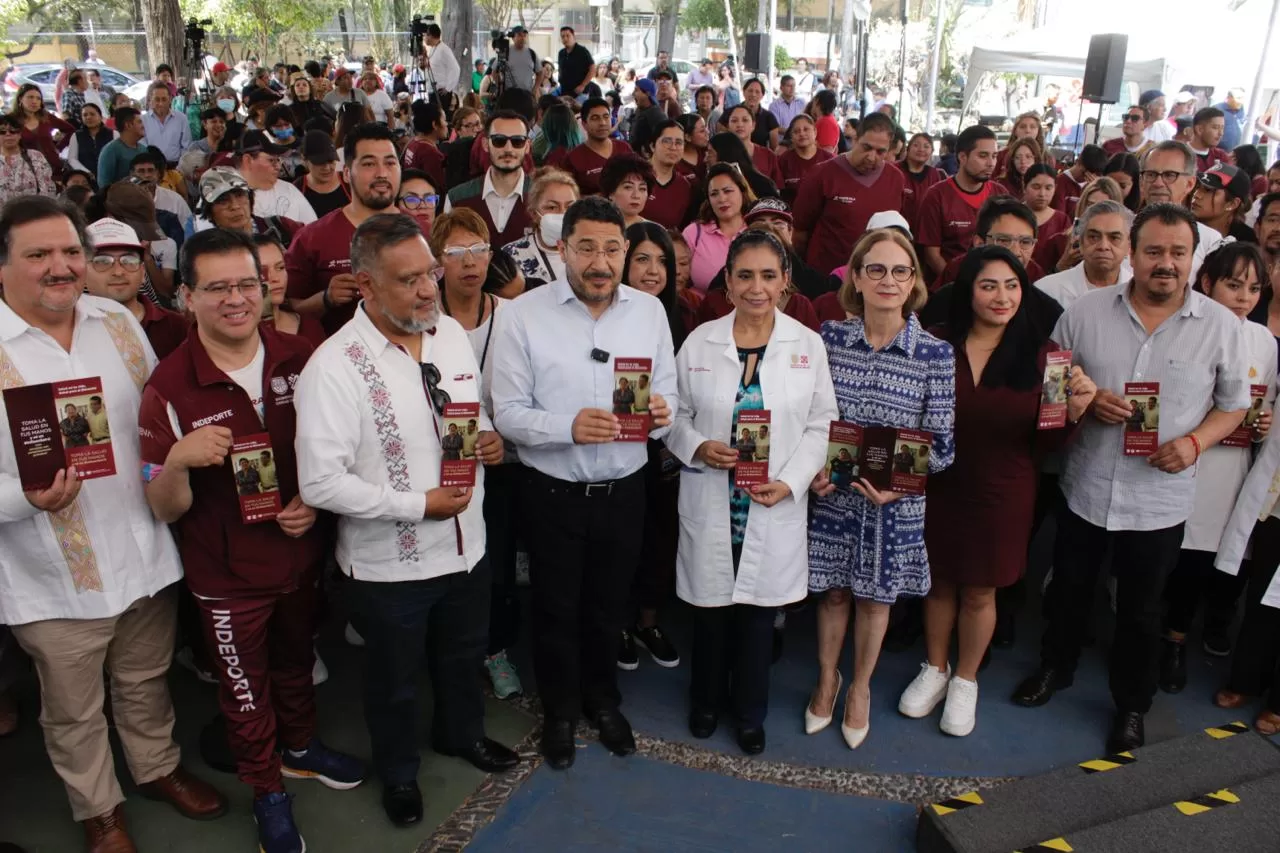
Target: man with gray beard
column 414, row 549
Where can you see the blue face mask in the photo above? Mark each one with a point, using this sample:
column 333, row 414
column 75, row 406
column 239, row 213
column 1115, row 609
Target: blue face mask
column 282, row 133
column 226, row 105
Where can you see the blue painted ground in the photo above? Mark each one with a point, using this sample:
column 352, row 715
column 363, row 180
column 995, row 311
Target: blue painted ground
column 637, row 805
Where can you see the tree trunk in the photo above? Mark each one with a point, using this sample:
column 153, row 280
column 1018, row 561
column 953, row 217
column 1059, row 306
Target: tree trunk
column 848, row 48
column 732, row 28
column 165, row 36
column 667, row 20
column 346, row 34
column 458, row 23
column 615, row 12
column 139, row 41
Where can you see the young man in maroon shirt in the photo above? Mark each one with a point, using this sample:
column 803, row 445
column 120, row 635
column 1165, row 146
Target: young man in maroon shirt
column 1207, row 129
column 671, row 193
column 837, row 198
column 586, row 161
column 947, row 215
column 115, row 272
column 319, row 258
column 254, row 580
column 1133, row 134
column 1091, row 164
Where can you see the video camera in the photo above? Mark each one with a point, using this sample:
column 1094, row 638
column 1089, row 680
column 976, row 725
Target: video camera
column 417, row 30
column 501, row 43
column 196, row 34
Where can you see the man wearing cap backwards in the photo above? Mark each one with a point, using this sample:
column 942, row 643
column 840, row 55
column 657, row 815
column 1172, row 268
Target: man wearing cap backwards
column 1233, row 110
column 322, row 185
column 254, row 582
column 91, row 570
column 1221, row 199
column 219, row 75
column 837, row 197
column 1207, row 129
column 1158, row 128
column 115, row 272
column 522, row 61
column 258, row 161
column 226, row 201
column 344, row 91
column 319, row 259
column 648, row 115
column 117, row 155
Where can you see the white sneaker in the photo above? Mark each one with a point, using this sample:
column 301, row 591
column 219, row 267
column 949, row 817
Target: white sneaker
column 960, row 714
column 924, row 692
column 319, row 672
column 352, row 636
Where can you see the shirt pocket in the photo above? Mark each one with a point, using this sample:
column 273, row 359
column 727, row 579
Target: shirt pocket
column 1185, row 382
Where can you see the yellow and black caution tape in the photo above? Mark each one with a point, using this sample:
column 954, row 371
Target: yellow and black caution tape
column 1111, row 762
column 959, row 803
column 1228, row 730
column 1058, row 845
column 1207, row 802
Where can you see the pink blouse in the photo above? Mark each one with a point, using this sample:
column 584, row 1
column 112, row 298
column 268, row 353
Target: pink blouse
column 710, row 248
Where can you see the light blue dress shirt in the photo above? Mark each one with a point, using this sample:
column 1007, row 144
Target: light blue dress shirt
column 543, row 375
column 172, row 136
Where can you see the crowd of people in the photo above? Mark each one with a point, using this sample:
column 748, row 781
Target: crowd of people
column 286, row 301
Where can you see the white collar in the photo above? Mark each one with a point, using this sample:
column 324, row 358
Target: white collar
column 489, row 188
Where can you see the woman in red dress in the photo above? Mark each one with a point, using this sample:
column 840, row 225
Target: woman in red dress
column 980, row 511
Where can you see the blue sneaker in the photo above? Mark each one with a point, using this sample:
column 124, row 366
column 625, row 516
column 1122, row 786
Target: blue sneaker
column 329, row 768
column 277, row 832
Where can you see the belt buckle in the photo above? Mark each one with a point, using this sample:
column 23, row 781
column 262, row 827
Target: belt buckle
column 606, row 488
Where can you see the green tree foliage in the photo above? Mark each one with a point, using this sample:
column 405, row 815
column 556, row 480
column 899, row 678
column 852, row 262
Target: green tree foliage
column 709, row 15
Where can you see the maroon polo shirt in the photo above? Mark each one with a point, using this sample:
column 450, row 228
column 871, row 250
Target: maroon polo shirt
column 318, row 252
column 915, row 185
column 166, row 330
column 420, row 154
column 834, row 204
column 670, row 204
column 794, row 168
column 948, row 216
column 585, row 165
column 222, row 556
column 1206, row 161
column 1067, row 194
column 766, row 163
column 949, row 272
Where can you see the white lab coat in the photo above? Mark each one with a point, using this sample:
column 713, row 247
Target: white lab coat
column 796, row 383
column 1255, row 503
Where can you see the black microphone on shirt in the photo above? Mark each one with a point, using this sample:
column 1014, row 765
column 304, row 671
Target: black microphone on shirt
column 599, row 355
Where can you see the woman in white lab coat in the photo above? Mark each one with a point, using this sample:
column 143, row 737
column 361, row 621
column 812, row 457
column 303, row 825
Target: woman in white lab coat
column 743, row 551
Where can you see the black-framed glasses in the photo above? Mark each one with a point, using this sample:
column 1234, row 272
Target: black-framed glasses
column 500, row 140
column 438, row 396
column 1149, row 176
column 417, row 202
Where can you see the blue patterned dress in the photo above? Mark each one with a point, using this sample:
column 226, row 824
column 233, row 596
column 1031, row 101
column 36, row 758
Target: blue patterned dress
column 878, row 552
column 750, row 396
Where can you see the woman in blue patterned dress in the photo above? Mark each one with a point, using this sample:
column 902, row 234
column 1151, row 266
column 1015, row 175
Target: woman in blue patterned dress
column 867, row 545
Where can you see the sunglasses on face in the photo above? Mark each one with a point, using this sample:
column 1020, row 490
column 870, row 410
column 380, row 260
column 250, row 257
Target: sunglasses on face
column 500, row 140
column 1134, row 117
column 5, row 130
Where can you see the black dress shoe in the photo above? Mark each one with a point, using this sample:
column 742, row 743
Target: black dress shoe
column 702, row 724
column 557, row 743
column 1038, row 688
column 751, row 739
column 487, row 755
column 1173, row 667
column 1006, row 633
column 615, row 732
column 403, row 803
column 1127, row 732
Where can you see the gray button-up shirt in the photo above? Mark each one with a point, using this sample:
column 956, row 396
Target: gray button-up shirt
column 1195, row 355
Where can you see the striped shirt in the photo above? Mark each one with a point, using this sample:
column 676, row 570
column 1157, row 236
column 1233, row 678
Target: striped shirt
column 1196, row 355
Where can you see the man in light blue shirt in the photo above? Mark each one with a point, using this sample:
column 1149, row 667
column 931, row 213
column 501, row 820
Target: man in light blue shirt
column 165, row 129
column 787, row 106
column 553, row 378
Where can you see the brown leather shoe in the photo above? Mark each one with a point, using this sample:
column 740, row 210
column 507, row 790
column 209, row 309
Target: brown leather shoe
column 107, row 834
column 192, row 797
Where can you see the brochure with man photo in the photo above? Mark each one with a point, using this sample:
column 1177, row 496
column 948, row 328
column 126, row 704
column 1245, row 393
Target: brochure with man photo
column 751, row 440
column 889, row 459
column 631, row 391
column 459, row 432
column 253, row 464
column 1242, row 436
column 1142, row 427
column 55, row 425
column 1053, row 396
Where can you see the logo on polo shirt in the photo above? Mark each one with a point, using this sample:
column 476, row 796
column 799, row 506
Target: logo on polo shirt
column 960, row 223
column 801, row 361
column 279, row 384
column 844, row 199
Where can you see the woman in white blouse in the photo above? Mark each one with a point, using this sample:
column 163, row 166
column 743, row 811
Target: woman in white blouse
column 743, row 550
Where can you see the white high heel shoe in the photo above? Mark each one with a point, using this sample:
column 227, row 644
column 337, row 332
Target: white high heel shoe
column 854, row 737
column 812, row 722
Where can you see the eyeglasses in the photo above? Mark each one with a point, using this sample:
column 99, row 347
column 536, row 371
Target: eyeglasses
column 102, row 263
column 471, row 127
column 416, row 202
column 458, row 253
column 247, row 288
column 6, row 130
column 671, row 142
column 1009, row 241
column 438, row 396
column 876, row 272
column 1133, row 117
column 1149, row 176
column 612, row 252
column 500, row 140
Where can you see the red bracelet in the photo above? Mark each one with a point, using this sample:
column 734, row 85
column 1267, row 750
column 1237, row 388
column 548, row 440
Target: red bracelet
column 1196, row 442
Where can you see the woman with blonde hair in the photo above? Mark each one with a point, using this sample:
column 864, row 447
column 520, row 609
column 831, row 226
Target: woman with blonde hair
column 537, row 253
column 721, row 217
column 866, row 545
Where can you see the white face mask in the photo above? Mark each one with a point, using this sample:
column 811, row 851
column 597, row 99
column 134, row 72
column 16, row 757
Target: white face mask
column 550, row 226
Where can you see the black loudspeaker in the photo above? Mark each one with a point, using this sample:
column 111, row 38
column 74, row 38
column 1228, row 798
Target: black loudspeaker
column 1104, row 69
column 756, row 52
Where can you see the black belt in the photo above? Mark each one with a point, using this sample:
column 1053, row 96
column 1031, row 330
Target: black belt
column 601, row 489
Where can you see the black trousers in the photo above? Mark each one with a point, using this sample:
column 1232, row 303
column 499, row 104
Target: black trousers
column 445, row 619
column 583, row 553
column 1255, row 665
column 1194, row 581
column 732, row 650
column 655, row 582
column 1141, row 561
column 503, row 531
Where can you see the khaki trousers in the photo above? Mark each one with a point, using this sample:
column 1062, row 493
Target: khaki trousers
column 136, row 648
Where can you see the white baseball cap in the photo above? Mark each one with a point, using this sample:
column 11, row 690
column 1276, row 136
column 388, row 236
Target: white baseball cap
column 112, row 233
column 1184, row 97
column 888, row 219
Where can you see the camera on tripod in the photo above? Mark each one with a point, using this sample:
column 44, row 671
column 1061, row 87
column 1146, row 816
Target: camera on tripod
column 501, row 43
column 418, row 30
